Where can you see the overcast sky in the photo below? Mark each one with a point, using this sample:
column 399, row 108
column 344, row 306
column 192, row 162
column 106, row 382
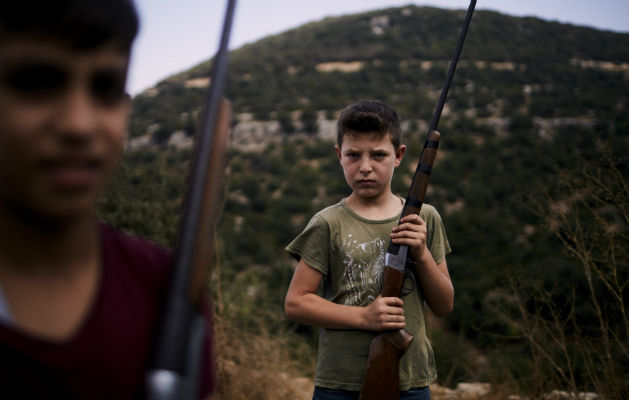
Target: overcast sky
column 178, row 34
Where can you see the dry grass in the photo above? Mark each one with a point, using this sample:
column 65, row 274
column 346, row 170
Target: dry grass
column 265, row 366
column 260, row 366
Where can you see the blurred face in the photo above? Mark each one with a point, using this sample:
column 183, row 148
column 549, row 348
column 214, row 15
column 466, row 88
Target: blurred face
column 368, row 163
column 63, row 124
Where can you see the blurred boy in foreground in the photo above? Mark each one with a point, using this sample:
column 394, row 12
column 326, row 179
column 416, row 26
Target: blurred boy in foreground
column 79, row 301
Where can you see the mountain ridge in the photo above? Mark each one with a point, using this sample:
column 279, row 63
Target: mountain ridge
column 400, row 55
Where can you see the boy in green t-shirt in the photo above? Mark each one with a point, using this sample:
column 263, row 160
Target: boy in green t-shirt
column 344, row 246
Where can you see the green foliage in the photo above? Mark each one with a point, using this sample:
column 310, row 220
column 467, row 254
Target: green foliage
column 286, row 123
column 145, row 197
column 309, row 121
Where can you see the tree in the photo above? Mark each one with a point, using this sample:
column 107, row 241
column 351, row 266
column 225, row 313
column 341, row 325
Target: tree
column 286, row 122
column 579, row 340
column 309, row 121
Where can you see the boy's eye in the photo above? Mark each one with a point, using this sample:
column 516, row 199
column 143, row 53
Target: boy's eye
column 35, row 80
column 379, row 156
column 108, row 86
column 41, row 81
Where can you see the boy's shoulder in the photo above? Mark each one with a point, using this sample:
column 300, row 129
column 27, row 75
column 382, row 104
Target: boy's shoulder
column 327, row 219
column 332, row 210
column 335, row 214
column 134, row 246
column 430, row 214
column 429, row 211
column 145, row 259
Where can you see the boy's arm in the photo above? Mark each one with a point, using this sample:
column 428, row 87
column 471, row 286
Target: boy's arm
column 436, row 285
column 435, row 280
column 303, row 304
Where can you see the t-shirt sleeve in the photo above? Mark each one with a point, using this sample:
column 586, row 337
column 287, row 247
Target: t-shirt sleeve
column 437, row 241
column 312, row 245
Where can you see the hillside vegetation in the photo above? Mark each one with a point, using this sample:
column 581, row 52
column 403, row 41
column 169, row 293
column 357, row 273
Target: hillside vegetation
column 531, row 182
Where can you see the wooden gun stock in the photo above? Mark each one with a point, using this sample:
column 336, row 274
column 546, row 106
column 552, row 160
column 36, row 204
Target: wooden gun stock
column 203, row 249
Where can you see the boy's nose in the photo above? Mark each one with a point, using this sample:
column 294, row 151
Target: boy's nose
column 366, row 166
column 77, row 113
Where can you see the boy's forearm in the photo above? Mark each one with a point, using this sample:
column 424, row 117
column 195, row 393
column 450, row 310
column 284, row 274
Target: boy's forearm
column 310, row 308
column 436, row 284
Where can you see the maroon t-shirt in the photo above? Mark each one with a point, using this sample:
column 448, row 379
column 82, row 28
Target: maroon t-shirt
column 107, row 357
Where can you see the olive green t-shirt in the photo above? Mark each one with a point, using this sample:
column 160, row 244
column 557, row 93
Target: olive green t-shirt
column 349, row 251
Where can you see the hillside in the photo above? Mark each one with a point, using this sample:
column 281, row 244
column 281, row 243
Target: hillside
column 531, row 181
column 400, row 56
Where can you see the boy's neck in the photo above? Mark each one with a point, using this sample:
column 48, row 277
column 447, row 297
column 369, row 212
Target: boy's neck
column 50, row 273
column 36, row 247
column 382, row 207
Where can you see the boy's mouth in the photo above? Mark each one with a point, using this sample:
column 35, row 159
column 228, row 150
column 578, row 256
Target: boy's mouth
column 74, row 174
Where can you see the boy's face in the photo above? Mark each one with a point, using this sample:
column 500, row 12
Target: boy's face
column 368, row 163
column 63, row 124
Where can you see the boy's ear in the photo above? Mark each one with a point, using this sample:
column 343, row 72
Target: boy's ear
column 338, row 150
column 400, row 152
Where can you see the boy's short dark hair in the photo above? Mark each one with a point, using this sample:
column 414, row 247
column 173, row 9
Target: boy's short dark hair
column 83, row 24
column 369, row 116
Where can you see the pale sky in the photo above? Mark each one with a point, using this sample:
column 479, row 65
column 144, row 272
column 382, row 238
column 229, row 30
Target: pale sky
column 178, row 34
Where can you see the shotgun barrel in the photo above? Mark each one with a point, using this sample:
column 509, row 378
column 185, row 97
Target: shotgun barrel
column 174, row 372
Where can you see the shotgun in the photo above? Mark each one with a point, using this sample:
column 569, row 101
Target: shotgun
column 381, row 379
column 175, row 368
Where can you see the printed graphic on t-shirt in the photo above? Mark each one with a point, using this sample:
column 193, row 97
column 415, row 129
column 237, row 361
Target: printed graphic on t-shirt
column 363, row 272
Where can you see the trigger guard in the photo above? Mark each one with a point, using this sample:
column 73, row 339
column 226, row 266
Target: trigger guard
column 409, row 277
